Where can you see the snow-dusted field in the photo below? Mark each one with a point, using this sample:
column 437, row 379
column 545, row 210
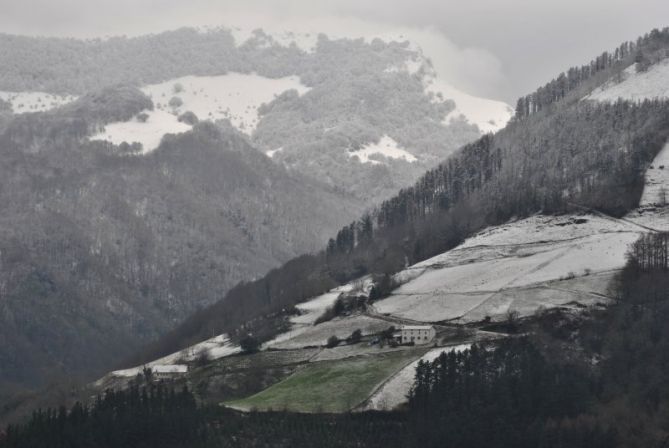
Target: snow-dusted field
column 636, row 86
column 395, row 391
column 512, row 267
column 233, row 96
column 348, row 351
column 318, row 335
column 385, row 147
column 23, row 102
column 656, row 188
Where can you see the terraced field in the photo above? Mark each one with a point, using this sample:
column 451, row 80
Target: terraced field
column 331, row 386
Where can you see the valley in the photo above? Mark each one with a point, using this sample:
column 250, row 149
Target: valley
column 477, row 291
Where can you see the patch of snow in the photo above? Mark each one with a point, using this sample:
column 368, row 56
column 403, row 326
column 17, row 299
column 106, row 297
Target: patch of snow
column 656, row 187
column 148, row 133
column 317, row 335
column 488, row 115
column 234, row 96
column 395, row 391
column 271, row 152
column 311, row 310
column 386, row 147
column 170, row 368
column 512, row 267
column 215, row 348
column 23, row 102
column 651, row 84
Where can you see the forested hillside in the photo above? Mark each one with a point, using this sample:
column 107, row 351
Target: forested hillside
column 103, row 250
column 107, row 246
column 360, row 92
column 578, row 154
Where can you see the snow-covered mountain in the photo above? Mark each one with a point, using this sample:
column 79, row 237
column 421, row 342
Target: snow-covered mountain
column 367, row 115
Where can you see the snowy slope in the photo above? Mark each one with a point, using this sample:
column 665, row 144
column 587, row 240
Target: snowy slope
column 234, row 96
column 518, row 266
column 385, row 147
column 656, row 187
column 303, row 332
column 214, row 348
column 23, row 102
column 488, row 115
column 396, row 390
column 653, row 83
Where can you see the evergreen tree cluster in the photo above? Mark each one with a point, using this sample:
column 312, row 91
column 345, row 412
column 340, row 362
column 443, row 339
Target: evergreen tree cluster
column 149, row 417
column 650, row 252
column 493, row 397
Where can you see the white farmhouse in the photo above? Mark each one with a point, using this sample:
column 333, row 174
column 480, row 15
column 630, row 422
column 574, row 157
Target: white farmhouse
column 418, row 334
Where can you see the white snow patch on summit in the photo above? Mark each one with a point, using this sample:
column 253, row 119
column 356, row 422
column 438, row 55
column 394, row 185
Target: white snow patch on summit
column 651, row 84
column 23, row 102
column 386, row 147
column 233, row 96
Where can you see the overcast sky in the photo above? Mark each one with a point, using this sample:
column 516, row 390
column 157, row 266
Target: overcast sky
column 494, row 48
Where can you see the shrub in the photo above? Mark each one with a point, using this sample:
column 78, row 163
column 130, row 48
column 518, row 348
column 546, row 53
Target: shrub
column 249, row 344
column 332, row 342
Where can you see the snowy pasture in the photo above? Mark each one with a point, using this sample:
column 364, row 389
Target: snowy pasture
column 513, row 267
column 317, row 335
column 636, row 86
column 23, row 102
column 234, row 96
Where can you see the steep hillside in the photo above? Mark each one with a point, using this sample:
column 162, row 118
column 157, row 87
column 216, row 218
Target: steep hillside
column 569, row 156
column 103, row 249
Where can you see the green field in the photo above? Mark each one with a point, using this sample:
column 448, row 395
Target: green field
column 329, row 386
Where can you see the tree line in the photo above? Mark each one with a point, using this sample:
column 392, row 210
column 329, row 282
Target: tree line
column 644, row 52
